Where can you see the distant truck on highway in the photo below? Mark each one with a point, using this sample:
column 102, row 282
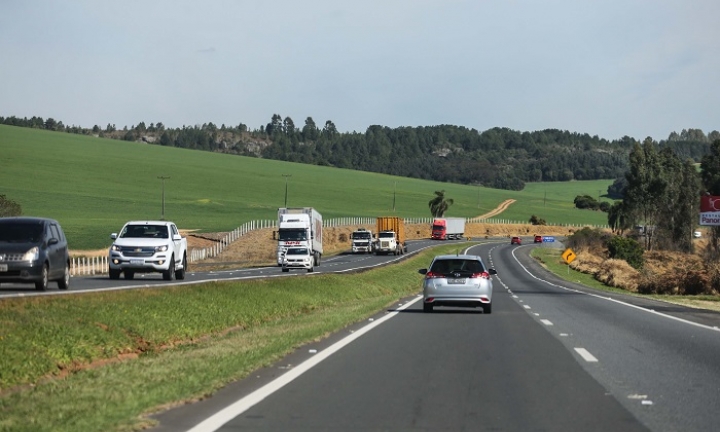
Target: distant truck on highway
column 362, row 241
column 146, row 247
column 448, row 228
column 390, row 236
column 300, row 227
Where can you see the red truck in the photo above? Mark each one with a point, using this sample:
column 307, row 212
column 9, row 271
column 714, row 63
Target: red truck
column 448, row 228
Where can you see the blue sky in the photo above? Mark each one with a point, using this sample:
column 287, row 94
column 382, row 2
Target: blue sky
column 608, row 67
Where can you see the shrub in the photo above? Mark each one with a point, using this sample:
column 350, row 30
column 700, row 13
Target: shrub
column 537, row 221
column 9, row 207
column 627, row 249
column 589, row 238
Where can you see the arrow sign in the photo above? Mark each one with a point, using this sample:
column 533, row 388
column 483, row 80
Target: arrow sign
column 568, row 256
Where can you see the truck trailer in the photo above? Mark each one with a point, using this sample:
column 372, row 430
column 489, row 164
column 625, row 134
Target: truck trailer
column 448, row 228
column 299, row 227
column 390, row 236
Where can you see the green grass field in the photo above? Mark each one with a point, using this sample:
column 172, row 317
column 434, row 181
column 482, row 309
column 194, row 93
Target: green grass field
column 236, row 327
column 94, row 185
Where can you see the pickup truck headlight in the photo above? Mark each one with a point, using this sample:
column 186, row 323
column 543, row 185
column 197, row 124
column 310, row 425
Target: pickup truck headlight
column 32, row 254
column 162, row 248
column 115, row 248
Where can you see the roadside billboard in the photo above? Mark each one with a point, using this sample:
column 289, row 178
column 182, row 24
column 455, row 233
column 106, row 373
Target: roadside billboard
column 710, row 210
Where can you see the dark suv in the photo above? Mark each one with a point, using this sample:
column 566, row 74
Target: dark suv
column 33, row 250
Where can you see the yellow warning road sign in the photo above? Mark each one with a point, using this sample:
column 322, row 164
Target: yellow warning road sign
column 569, row 256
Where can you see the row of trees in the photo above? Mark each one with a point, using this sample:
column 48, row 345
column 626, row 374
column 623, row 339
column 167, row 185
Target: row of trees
column 498, row 157
column 662, row 195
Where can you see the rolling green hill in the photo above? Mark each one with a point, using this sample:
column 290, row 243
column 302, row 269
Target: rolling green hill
column 94, row 185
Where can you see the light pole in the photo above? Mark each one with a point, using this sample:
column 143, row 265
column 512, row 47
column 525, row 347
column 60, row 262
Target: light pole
column 287, row 176
column 163, row 178
column 394, row 187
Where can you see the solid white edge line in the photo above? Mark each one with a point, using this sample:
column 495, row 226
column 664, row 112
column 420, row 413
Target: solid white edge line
column 228, row 413
column 585, row 354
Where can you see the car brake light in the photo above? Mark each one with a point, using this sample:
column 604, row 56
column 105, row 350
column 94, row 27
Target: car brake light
column 484, row 274
column 431, row 275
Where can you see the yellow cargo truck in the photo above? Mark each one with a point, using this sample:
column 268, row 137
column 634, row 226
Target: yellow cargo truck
column 390, row 236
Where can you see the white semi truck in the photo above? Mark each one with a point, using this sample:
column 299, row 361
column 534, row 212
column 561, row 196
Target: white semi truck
column 362, row 241
column 299, row 227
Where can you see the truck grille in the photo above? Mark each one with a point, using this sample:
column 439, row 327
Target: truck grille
column 137, row 252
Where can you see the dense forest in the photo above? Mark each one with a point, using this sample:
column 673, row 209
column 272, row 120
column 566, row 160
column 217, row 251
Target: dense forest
column 499, row 157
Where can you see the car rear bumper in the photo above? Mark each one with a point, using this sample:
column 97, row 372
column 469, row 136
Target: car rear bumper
column 458, row 302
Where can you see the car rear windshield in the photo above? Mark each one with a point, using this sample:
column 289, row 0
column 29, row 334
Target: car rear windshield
column 145, row 231
column 21, row 232
column 444, row 266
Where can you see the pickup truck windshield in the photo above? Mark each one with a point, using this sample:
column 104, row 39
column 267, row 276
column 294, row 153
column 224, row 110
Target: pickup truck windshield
column 145, row 231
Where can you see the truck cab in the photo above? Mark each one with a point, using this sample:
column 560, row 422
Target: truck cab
column 387, row 242
column 362, row 241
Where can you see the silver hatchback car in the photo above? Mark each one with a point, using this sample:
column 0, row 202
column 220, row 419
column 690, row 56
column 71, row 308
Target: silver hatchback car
column 457, row 280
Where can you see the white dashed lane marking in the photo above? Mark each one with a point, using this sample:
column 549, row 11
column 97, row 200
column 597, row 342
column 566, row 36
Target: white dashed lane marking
column 585, row 354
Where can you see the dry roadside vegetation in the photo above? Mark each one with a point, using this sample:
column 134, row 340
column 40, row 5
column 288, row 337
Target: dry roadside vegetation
column 676, row 277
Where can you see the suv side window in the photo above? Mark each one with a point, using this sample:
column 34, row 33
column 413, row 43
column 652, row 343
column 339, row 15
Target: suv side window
column 174, row 230
column 53, row 232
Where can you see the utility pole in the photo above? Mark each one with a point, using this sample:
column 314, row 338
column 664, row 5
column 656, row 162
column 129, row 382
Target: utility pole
column 287, row 176
column 394, row 187
column 163, row 178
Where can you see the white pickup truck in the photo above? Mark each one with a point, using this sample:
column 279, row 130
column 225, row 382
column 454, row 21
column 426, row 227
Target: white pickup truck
column 147, row 247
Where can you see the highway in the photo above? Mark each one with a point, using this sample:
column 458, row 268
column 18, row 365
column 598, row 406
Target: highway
column 551, row 357
column 341, row 263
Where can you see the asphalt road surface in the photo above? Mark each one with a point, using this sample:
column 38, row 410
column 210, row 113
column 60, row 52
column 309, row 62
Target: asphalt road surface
column 336, row 264
column 552, row 356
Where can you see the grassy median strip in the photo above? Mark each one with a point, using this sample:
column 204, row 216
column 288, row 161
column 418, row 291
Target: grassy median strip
column 99, row 362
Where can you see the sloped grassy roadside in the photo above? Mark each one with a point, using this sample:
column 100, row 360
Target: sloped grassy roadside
column 551, row 260
column 100, row 362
